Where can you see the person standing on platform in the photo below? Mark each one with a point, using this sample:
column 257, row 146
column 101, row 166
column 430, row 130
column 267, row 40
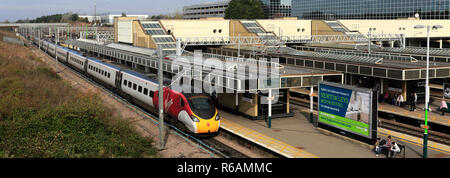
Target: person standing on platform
column 444, row 106
column 415, row 101
column 386, row 97
column 400, row 100
column 411, row 101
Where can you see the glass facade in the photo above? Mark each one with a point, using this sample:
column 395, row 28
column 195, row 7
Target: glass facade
column 370, row 9
column 277, row 8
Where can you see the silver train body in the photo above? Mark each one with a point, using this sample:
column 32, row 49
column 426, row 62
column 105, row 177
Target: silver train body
column 136, row 88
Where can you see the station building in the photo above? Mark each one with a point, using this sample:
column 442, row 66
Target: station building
column 272, row 9
column 398, row 71
column 370, row 9
column 205, row 10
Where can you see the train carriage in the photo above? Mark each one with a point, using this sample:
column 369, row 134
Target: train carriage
column 76, row 60
column 62, row 54
column 139, row 86
column 104, row 72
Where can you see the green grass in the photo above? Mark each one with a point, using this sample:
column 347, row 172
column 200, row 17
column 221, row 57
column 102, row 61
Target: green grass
column 41, row 116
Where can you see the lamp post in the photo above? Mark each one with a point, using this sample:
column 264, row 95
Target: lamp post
column 427, row 86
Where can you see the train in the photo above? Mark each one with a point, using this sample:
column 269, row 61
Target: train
column 196, row 111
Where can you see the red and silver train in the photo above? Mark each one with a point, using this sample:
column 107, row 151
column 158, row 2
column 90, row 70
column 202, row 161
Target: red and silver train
column 195, row 111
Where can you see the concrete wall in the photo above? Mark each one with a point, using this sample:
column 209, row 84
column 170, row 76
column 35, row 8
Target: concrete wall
column 289, row 27
column 197, row 28
column 394, row 26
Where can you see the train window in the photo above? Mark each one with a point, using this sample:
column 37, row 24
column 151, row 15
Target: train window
column 125, row 82
column 134, row 86
column 152, row 93
column 145, row 91
column 140, row 89
column 109, row 75
column 181, row 102
column 129, row 84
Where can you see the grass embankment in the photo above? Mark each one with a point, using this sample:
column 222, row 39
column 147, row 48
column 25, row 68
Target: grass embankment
column 41, row 116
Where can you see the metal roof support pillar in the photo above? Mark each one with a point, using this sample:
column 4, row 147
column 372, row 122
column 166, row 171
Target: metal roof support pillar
column 269, row 99
column 239, row 46
column 311, row 106
column 404, row 40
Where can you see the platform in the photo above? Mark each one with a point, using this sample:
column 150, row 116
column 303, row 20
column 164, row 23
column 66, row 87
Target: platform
column 434, row 116
column 295, row 137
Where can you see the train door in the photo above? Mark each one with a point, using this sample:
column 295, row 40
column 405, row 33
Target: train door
column 85, row 66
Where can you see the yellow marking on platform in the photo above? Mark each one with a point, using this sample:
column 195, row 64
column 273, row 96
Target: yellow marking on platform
column 266, row 141
column 406, row 112
column 415, row 141
column 410, row 139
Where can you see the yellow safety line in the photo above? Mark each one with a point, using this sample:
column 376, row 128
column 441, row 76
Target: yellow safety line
column 418, row 142
column 269, row 140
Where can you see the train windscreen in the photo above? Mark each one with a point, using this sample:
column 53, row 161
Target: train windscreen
column 202, row 106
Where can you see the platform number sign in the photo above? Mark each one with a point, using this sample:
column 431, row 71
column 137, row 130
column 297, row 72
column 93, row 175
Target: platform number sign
column 348, row 110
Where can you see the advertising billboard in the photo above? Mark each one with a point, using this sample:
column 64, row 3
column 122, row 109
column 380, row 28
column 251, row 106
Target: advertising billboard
column 348, row 109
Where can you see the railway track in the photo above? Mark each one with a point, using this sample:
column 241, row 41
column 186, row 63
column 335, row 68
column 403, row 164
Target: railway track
column 213, row 146
column 389, row 121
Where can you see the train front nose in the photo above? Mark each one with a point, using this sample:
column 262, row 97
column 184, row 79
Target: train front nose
column 210, row 125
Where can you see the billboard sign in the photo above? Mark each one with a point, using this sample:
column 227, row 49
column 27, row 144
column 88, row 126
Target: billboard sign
column 348, row 109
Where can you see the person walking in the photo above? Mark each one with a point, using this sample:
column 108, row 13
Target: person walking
column 444, row 106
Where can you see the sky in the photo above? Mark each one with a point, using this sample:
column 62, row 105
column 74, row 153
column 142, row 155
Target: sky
column 13, row 10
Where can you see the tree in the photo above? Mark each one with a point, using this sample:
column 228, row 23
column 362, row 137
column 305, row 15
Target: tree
column 75, row 17
column 123, row 14
column 244, row 9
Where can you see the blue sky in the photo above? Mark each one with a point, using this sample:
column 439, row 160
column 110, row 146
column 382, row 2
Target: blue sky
column 13, row 10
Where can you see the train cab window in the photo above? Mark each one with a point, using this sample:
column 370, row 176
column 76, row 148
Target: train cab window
column 181, row 102
column 140, row 89
column 129, row 84
column 145, row 91
column 134, row 86
column 125, row 82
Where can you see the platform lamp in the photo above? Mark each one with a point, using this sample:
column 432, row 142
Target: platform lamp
column 427, row 86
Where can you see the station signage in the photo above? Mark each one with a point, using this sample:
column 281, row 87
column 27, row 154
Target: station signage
column 348, row 110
